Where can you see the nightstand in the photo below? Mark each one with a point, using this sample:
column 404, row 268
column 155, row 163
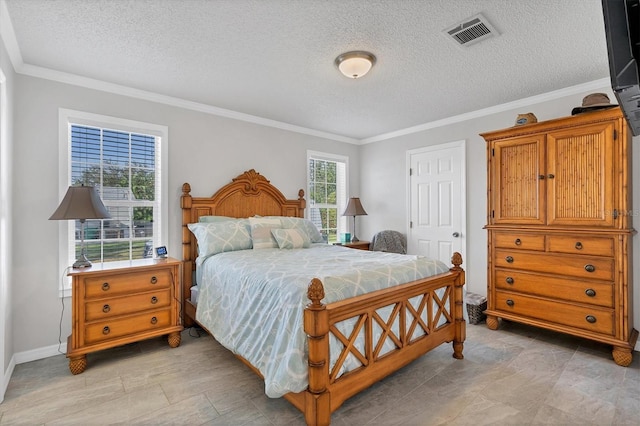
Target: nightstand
column 359, row 245
column 117, row 303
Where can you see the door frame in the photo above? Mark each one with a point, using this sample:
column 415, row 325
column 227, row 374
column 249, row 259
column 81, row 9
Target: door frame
column 459, row 145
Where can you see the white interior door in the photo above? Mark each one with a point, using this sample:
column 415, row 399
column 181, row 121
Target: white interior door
column 437, row 201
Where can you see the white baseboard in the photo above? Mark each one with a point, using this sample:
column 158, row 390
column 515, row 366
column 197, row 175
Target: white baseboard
column 40, row 353
column 7, row 377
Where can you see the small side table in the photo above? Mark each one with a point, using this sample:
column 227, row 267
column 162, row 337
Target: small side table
column 359, row 245
column 122, row 302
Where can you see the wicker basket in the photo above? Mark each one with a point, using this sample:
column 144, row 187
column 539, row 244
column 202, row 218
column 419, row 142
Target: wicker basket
column 476, row 304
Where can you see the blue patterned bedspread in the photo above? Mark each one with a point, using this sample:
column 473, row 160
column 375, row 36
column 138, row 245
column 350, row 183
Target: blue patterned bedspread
column 252, row 301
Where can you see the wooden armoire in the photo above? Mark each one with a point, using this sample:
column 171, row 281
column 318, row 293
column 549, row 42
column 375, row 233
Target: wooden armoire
column 559, row 228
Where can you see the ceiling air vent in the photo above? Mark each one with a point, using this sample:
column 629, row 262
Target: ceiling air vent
column 471, row 31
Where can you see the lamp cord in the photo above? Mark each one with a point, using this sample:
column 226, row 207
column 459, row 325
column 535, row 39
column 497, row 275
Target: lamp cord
column 64, row 274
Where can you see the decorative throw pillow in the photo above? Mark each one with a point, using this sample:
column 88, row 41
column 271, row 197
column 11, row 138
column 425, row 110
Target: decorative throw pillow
column 218, row 237
column 303, row 224
column 291, row 238
column 261, row 232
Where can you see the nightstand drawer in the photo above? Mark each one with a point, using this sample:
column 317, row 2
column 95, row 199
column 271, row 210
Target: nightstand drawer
column 582, row 267
column 132, row 282
column 107, row 330
column 108, row 308
column 519, row 241
column 577, row 245
column 599, row 320
column 591, row 292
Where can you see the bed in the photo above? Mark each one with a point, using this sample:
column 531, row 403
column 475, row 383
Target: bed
column 380, row 319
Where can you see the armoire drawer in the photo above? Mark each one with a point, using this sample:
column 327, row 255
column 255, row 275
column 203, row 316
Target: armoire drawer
column 123, row 326
column 520, row 241
column 582, row 291
column 592, row 318
column 595, row 246
column 590, row 267
column 132, row 282
column 108, row 308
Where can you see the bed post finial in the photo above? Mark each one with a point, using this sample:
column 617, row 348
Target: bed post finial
column 456, row 260
column 315, row 293
column 186, row 189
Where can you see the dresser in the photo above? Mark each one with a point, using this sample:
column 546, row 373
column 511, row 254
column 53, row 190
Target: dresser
column 559, row 228
column 117, row 303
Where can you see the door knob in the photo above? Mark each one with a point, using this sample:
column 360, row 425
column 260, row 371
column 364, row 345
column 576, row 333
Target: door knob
column 456, row 234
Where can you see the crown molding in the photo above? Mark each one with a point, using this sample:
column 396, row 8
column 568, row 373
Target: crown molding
column 90, row 83
column 520, row 103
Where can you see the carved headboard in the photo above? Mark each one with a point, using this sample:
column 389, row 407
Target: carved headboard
column 247, row 195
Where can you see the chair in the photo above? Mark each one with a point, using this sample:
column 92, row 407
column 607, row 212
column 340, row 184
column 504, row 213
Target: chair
column 389, row 241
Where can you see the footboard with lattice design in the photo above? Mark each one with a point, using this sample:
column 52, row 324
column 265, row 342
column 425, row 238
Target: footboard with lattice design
column 419, row 316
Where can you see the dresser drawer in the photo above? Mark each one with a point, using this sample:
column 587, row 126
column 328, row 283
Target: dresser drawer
column 123, row 326
column 519, row 241
column 596, row 319
column 591, row 292
column 582, row 267
column 596, row 246
column 132, row 282
column 109, row 308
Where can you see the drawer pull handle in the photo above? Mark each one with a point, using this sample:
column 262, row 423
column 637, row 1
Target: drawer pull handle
column 154, row 280
column 509, row 280
column 589, row 267
column 578, row 245
column 509, row 259
column 590, row 292
column 518, row 241
column 106, row 330
column 154, row 300
column 105, row 286
column 510, row 302
column 106, row 308
column 590, row 319
column 551, row 175
column 154, row 320
column 541, row 177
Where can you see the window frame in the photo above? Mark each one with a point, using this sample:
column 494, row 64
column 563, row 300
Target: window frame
column 341, row 199
column 66, row 230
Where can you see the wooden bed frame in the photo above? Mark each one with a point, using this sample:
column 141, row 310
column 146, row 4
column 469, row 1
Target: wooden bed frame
column 251, row 194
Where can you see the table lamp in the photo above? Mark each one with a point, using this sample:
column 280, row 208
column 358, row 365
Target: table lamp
column 354, row 208
column 81, row 203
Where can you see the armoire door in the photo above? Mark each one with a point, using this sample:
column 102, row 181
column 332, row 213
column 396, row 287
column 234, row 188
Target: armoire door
column 580, row 176
column 518, row 181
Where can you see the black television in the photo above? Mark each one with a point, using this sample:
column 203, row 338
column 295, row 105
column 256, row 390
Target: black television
column 622, row 29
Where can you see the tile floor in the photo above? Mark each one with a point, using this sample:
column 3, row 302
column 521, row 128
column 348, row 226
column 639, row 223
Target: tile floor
column 517, row 375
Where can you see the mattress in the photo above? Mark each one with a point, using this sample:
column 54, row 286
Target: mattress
column 252, row 301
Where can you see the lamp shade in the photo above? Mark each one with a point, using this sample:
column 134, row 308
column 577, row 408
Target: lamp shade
column 81, row 202
column 355, row 64
column 354, row 208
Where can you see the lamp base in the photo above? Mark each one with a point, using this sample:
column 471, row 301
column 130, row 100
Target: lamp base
column 82, row 262
column 354, row 239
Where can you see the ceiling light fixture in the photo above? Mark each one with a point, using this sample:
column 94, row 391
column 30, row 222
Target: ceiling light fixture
column 355, row 64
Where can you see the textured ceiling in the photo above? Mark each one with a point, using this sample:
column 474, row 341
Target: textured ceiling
column 274, row 59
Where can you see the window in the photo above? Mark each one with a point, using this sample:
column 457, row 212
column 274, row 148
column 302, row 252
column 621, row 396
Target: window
column 125, row 162
column 327, row 196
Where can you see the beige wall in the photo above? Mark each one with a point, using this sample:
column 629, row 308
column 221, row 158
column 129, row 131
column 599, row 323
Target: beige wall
column 6, row 222
column 204, row 150
column 384, row 171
